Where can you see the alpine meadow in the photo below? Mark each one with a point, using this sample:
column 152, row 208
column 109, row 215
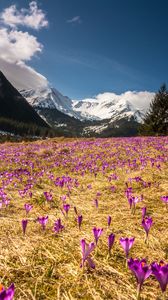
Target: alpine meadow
column 83, row 150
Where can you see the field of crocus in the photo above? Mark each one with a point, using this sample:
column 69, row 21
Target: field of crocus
column 84, row 219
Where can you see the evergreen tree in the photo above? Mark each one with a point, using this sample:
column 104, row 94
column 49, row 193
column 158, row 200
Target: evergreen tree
column 156, row 119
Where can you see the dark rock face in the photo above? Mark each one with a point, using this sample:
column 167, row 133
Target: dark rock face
column 14, row 106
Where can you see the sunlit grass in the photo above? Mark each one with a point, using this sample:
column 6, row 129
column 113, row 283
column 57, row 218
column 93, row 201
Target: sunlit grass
column 44, row 265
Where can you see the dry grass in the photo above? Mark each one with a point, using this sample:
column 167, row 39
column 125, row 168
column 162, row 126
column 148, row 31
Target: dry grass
column 45, row 266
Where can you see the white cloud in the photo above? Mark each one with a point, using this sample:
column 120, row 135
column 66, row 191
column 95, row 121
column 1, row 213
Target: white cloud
column 76, row 19
column 33, row 17
column 18, row 47
column 21, row 75
column 139, row 100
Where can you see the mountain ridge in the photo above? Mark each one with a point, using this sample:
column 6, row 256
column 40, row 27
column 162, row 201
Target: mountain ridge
column 93, row 109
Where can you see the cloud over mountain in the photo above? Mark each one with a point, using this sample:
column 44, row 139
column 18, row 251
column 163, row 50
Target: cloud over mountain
column 18, row 46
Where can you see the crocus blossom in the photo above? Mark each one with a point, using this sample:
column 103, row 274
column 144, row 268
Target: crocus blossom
column 160, row 271
column 109, row 221
column 28, row 207
column 164, row 199
column 147, row 223
column 58, row 226
column 126, row 244
column 111, row 239
column 141, row 271
column 143, row 212
column 133, row 200
column 79, row 220
column 97, row 232
column 63, row 198
column 86, row 251
column 48, row 196
column 66, row 208
column 43, row 221
column 24, row 225
column 7, row 294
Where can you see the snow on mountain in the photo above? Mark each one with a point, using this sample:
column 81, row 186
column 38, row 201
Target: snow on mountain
column 103, row 106
column 49, row 98
column 113, row 106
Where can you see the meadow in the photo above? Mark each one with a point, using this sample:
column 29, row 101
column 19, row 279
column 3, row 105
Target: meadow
column 76, row 213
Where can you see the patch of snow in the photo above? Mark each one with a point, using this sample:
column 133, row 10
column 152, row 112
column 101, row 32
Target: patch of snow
column 95, row 128
column 61, row 125
column 6, row 133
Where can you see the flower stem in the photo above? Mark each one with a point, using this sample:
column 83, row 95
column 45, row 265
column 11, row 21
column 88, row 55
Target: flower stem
column 164, row 296
column 126, row 263
column 138, row 291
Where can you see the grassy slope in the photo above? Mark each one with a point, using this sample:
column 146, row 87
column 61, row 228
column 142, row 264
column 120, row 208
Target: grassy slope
column 45, row 266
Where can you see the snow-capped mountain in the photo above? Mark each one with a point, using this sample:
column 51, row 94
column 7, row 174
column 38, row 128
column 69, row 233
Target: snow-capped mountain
column 99, row 110
column 104, row 106
column 54, row 108
column 49, row 98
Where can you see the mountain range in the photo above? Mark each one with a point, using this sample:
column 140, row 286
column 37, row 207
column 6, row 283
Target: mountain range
column 107, row 114
column 104, row 115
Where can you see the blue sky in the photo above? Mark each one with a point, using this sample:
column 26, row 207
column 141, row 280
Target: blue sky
column 93, row 46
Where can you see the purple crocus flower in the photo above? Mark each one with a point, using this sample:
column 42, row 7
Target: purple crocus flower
column 109, row 221
column 141, row 271
column 89, row 186
column 147, row 223
column 160, row 271
column 137, row 199
column 130, row 201
column 97, row 232
column 133, row 200
column 58, row 226
column 127, row 243
column 79, row 220
column 30, row 194
column 48, row 196
column 7, row 294
column 128, row 192
column 66, row 208
column 6, row 201
column 43, row 221
column 24, row 225
column 164, row 199
column 143, row 212
column 86, row 251
column 111, row 239
column 112, row 188
column 28, row 207
column 63, row 198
